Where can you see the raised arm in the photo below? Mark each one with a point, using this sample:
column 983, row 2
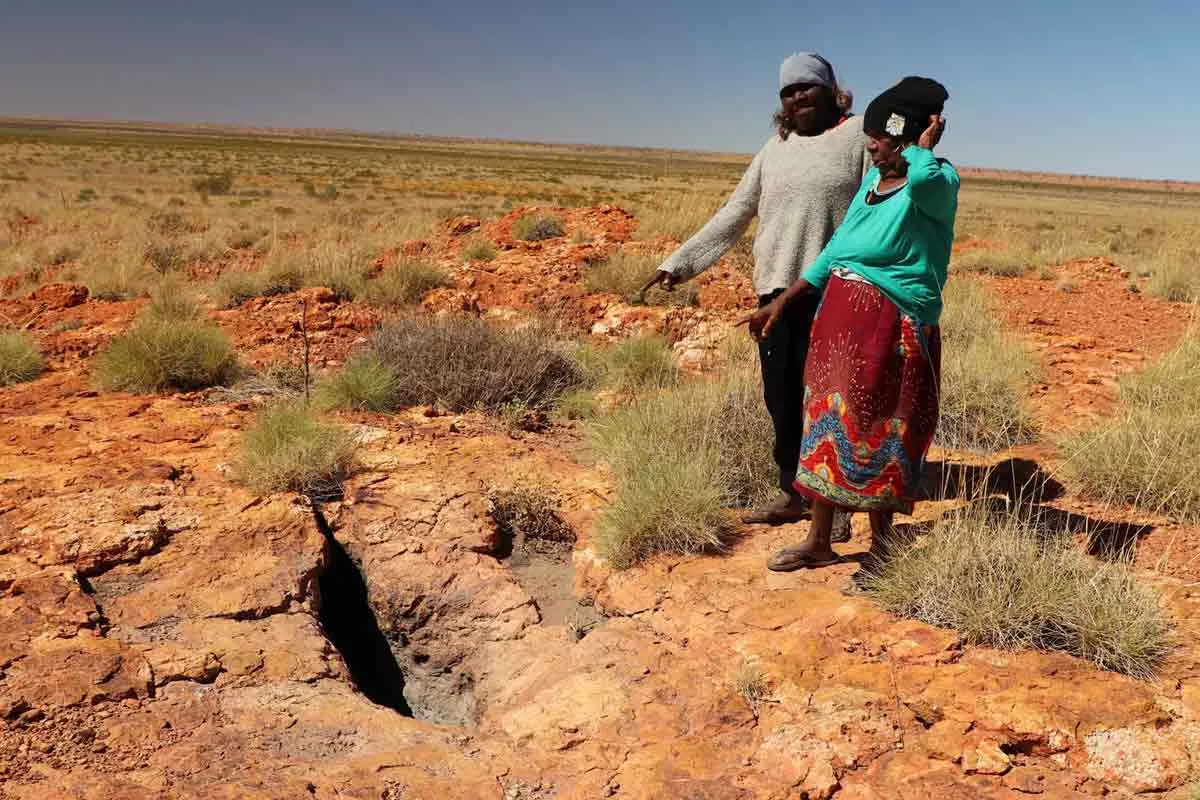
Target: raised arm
column 932, row 181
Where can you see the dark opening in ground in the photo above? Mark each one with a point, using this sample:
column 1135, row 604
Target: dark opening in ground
column 350, row 624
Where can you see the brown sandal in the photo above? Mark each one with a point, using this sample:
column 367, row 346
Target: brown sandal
column 790, row 559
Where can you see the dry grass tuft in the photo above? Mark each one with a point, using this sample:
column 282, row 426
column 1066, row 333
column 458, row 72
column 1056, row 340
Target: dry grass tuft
column 363, row 384
column 404, row 285
column 624, row 274
column 290, row 449
column 462, row 363
column 1141, row 455
column 20, row 357
column 1002, row 582
column 528, row 519
column 161, row 354
column 537, row 228
column 986, row 376
column 682, row 458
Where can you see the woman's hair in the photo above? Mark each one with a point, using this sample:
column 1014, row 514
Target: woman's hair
column 843, row 101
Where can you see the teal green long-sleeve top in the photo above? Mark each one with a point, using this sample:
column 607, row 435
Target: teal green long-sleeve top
column 901, row 244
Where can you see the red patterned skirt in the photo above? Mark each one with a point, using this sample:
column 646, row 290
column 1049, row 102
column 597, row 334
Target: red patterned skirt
column 871, row 386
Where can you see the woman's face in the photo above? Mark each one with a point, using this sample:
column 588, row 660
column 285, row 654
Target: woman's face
column 806, row 106
column 885, row 154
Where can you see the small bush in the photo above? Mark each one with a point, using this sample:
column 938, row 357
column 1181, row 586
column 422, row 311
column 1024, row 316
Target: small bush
column 363, row 384
column 986, row 376
column 161, row 354
column 1176, row 275
column 1141, row 455
column 579, row 404
column 20, row 358
column 462, row 363
column 478, row 250
column 289, row 449
column 404, row 284
column 86, row 195
column 235, row 287
column 527, row 519
column 170, row 223
column 166, row 257
column 214, row 184
column 537, row 227
column 1002, row 582
column 624, row 274
column 681, row 458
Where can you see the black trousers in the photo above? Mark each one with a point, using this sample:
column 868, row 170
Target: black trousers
column 782, row 355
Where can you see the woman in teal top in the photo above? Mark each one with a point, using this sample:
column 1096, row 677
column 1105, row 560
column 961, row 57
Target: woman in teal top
column 872, row 378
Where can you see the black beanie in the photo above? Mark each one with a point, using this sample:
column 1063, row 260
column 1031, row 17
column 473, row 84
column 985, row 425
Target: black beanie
column 904, row 110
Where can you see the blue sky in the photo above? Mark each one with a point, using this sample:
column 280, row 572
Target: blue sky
column 1085, row 87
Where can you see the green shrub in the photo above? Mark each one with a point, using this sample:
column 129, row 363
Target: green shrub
column 537, row 227
column 681, row 458
column 363, row 384
column 20, row 358
column 1140, row 455
column 161, row 354
column 290, row 449
column 404, row 285
column 1002, row 582
column 462, row 363
column 478, row 250
column 986, row 376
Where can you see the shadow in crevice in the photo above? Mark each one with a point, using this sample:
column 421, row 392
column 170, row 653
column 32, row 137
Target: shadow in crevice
column 350, row 625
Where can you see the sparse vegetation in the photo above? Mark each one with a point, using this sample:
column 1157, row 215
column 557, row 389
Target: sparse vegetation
column 624, row 274
column 1141, row 455
column 637, row 364
column 1002, row 582
column 681, row 459
column 528, row 519
column 214, row 184
column 363, row 384
column 986, row 376
column 537, row 227
column 404, row 284
column 462, row 363
column 290, row 449
column 478, row 250
column 20, row 357
column 162, row 354
column 750, row 684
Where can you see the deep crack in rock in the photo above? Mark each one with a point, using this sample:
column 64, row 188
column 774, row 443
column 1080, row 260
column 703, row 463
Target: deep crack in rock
column 350, row 625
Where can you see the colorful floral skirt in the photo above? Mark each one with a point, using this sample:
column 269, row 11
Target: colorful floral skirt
column 870, row 400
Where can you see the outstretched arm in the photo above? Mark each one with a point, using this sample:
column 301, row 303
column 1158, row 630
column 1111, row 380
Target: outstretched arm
column 718, row 235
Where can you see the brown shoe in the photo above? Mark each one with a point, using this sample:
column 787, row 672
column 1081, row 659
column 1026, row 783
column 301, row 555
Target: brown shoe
column 785, row 509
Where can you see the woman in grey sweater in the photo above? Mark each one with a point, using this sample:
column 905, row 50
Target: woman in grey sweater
column 799, row 186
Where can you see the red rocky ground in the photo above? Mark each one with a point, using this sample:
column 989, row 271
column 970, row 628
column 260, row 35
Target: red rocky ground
column 163, row 630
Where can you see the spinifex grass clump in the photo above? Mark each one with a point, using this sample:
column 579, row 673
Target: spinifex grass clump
column 682, row 458
column 364, row 384
column 164, row 353
column 1001, row 581
column 537, row 227
column 290, row 449
column 20, row 358
column 636, row 364
column 1144, row 454
column 624, row 274
column 986, row 376
column 404, row 284
column 462, row 363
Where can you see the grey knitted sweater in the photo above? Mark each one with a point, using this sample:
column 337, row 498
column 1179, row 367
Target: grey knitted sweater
column 800, row 189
